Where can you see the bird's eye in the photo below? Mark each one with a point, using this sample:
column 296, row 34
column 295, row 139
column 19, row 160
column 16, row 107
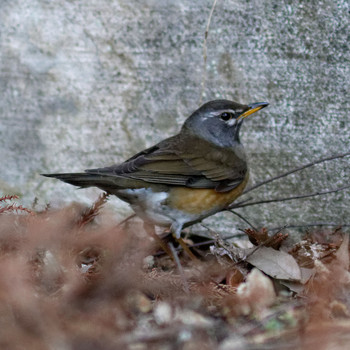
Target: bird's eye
column 226, row 116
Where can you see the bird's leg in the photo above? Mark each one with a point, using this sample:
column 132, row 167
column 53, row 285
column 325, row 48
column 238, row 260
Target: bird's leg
column 149, row 228
column 176, row 229
column 186, row 248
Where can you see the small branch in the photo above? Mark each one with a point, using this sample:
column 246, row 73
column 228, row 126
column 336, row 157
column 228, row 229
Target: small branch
column 244, row 219
column 8, row 198
column 179, row 267
column 210, row 230
column 120, row 224
column 279, row 228
column 205, row 51
column 322, row 160
column 329, row 224
column 93, row 211
column 209, row 241
column 284, row 199
column 15, row 207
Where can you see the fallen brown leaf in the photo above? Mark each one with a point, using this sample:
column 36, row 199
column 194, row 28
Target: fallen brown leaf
column 275, row 263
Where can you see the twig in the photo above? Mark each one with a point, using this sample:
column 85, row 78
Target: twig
column 15, row 207
column 205, row 51
column 212, row 241
column 283, row 199
column 279, row 228
column 209, row 229
column 336, row 156
column 179, row 266
column 329, row 224
column 209, row 241
column 8, row 198
column 93, row 211
column 244, row 219
column 124, row 221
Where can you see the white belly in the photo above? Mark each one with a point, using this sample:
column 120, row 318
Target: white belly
column 151, row 206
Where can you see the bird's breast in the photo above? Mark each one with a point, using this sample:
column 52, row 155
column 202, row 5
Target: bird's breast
column 178, row 204
column 201, row 200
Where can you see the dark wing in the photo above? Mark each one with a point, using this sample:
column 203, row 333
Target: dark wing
column 172, row 163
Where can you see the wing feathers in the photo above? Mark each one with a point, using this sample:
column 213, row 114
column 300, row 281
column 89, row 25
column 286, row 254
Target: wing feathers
column 165, row 163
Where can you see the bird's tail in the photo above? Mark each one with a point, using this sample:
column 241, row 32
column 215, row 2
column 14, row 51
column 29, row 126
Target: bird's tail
column 81, row 179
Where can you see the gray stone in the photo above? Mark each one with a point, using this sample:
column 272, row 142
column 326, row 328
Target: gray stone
column 88, row 83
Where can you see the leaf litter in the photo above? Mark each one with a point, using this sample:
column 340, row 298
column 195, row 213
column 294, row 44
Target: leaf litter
column 74, row 278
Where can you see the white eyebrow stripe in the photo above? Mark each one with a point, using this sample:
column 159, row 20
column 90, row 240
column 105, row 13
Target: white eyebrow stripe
column 227, row 110
column 217, row 113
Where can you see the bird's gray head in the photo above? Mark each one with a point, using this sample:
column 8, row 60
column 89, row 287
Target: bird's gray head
column 219, row 121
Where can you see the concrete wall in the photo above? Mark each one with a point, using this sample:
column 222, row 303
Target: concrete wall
column 87, row 83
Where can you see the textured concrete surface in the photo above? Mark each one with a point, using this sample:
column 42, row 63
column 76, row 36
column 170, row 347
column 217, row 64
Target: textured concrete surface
column 87, row 83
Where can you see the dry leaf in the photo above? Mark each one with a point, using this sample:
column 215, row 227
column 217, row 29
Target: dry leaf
column 234, row 277
column 275, row 263
column 261, row 237
column 299, row 287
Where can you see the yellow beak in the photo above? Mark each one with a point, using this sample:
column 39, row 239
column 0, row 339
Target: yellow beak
column 254, row 107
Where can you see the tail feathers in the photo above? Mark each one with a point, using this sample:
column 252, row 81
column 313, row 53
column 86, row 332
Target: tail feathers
column 82, row 179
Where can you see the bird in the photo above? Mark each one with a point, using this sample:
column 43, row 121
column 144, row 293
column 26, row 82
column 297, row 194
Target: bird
column 184, row 178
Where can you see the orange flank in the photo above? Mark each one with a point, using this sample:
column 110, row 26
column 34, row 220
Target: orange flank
column 200, row 200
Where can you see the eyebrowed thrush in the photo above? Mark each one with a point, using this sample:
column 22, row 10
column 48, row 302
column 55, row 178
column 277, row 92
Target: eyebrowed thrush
column 184, row 178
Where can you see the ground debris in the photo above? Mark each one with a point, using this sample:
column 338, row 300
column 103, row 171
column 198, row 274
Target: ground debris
column 71, row 280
